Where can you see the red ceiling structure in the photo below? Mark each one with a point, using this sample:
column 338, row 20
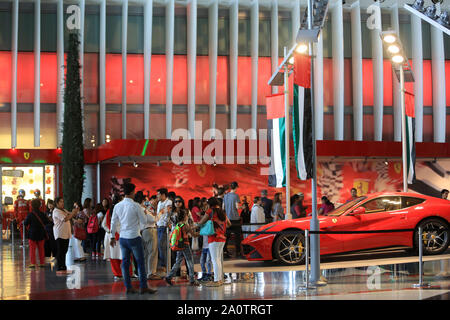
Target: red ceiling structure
column 154, row 150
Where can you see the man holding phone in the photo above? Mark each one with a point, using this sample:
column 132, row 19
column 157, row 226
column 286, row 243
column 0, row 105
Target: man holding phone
column 163, row 218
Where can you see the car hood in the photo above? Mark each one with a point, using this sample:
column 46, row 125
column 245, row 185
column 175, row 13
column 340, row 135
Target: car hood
column 301, row 223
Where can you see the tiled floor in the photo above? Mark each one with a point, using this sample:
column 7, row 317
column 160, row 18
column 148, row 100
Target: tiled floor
column 355, row 280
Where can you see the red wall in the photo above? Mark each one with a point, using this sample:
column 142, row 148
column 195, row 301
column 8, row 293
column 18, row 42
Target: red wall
column 135, row 89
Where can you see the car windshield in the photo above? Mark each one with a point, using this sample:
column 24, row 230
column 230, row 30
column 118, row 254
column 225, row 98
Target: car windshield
column 341, row 209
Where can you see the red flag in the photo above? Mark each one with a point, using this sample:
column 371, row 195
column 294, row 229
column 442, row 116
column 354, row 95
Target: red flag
column 302, row 70
column 275, row 106
column 409, row 104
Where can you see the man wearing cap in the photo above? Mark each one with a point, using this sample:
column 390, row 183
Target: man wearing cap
column 231, row 206
column 267, row 205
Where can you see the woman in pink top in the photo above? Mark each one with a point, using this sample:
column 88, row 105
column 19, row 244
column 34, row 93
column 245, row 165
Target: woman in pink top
column 326, row 207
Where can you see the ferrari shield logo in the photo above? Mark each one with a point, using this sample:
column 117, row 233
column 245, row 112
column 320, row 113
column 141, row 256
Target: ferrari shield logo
column 334, row 220
column 26, row 155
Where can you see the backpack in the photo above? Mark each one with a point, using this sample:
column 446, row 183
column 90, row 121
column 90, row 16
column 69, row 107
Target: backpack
column 92, row 226
column 176, row 238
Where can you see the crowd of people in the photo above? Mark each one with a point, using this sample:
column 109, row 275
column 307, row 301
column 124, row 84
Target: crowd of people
column 136, row 233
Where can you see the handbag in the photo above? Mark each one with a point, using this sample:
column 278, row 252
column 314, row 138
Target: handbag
column 195, row 245
column 79, row 232
column 207, row 229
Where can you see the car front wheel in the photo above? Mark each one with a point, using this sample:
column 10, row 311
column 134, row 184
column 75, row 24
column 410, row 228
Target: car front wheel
column 289, row 249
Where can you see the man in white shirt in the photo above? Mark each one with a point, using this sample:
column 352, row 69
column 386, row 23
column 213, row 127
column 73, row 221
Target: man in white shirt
column 130, row 216
column 163, row 216
column 62, row 232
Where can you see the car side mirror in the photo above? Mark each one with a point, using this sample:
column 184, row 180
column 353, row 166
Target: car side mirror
column 358, row 211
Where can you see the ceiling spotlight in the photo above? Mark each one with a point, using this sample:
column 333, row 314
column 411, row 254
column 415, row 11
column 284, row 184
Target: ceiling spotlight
column 390, row 38
column 393, row 48
column 385, row 162
column 398, row 58
column 301, row 48
column 418, row 5
column 135, row 164
column 431, row 12
column 444, row 20
column 291, row 60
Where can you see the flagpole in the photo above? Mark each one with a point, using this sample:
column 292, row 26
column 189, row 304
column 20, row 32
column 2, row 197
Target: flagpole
column 287, row 134
column 402, row 105
column 314, row 222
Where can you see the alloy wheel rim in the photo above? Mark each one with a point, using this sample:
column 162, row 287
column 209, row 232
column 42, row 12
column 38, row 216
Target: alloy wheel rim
column 434, row 236
column 291, row 249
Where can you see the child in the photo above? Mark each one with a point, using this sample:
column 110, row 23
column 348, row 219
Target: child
column 182, row 219
column 205, row 261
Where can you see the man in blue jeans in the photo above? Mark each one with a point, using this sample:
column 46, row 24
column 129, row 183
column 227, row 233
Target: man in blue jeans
column 130, row 216
column 163, row 212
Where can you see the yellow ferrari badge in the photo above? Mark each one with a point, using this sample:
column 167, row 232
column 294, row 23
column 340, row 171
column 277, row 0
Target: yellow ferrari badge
column 334, row 220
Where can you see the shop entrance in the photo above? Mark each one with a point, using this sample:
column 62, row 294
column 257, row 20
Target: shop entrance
column 29, row 178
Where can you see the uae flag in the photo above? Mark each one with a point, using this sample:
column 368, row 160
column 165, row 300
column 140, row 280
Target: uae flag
column 302, row 117
column 410, row 137
column 276, row 137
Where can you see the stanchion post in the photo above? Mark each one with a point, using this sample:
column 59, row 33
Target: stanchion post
column 12, row 231
column 23, row 233
column 420, row 244
column 307, row 286
column 168, row 253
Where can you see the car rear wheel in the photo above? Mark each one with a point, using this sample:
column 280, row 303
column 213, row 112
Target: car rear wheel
column 435, row 236
column 289, row 249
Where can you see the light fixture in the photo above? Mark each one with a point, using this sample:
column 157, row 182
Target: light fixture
column 444, row 20
column 301, row 48
column 418, row 5
column 389, row 38
column 393, row 49
column 437, row 18
column 291, row 60
column 135, row 164
column 397, row 58
column 385, row 162
column 430, row 12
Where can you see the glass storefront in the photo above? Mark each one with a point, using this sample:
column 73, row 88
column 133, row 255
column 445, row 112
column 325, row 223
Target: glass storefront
column 28, row 178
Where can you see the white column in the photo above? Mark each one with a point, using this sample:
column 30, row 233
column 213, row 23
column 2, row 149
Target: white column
column 60, row 71
column 338, row 70
column 318, row 89
column 37, row 72
column 148, row 19
column 295, row 20
column 191, row 62
column 254, row 31
column 377, row 66
column 396, row 103
column 438, row 73
column 357, row 72
column 170, row 25
column 417, row 66
column 14, row 41
column 234, row 25
column 213, row 16
column 274, row 39
column 81, row 50
column 124, row 67
column 102, row 73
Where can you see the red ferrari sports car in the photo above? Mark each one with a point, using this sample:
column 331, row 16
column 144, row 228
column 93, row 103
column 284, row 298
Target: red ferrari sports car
column 378, row 211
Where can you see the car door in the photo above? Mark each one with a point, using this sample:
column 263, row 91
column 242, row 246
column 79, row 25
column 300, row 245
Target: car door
column 381, row 213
